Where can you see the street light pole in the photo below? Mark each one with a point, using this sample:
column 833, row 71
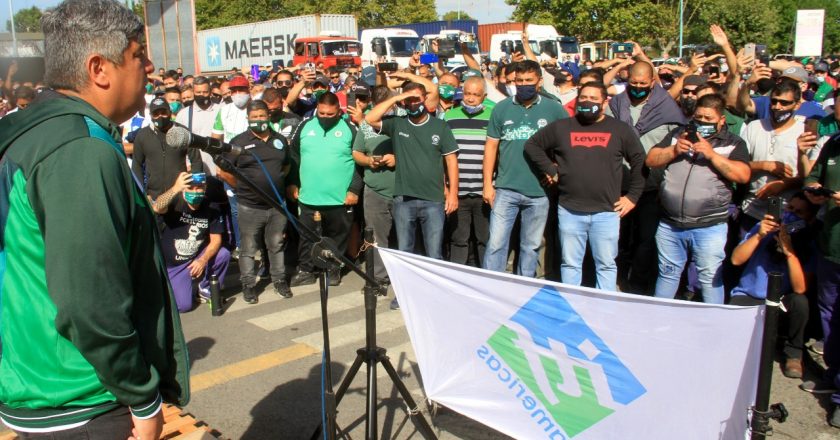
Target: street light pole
column 14, row 36
column 681, row 28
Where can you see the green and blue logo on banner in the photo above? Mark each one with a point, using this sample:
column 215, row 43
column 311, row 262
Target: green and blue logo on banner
column 560, row 364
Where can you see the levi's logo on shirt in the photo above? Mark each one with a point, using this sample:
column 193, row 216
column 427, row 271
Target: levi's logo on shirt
column 590, row 140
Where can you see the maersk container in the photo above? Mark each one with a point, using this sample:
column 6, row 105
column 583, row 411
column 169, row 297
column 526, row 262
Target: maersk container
column 261, row 43
column 486, row 31
column 434, row 27
column 170, row 34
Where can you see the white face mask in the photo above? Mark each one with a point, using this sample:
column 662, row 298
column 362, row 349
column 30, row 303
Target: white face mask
column 511, row 89
column 258, row 96
column 240, row 100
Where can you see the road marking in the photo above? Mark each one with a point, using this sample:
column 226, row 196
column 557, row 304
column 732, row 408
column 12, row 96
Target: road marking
column 298, row 315
column 267, row 296
column 250, row 366
column 352, row 332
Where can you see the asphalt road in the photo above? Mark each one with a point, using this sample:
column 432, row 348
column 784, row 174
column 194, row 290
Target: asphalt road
column 257, row 371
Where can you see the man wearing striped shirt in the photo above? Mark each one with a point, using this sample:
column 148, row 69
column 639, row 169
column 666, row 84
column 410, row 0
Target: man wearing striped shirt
column 468, row 123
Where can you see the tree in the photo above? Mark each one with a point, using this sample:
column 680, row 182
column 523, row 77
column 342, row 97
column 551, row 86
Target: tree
column 26, row 20
column 453, row 15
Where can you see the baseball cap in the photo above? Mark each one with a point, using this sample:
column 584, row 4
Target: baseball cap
column 158, row 104
column 469, row 73
column 360, row 89
column 323, row 80
column 822, row 66
column 694, row 80
column 796, row 73
column 238, row 81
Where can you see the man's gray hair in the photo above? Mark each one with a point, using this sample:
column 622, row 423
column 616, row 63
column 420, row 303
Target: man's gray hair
column 76, row 29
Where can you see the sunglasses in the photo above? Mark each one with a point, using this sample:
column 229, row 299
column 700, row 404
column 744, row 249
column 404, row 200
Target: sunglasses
column 783, row 102
column 689, row 92
column 334, row 77
column 286, row 82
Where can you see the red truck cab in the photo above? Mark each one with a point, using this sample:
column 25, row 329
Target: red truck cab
column 332, row 50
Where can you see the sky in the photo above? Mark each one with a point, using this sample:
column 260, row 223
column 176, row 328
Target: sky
column 485, row 11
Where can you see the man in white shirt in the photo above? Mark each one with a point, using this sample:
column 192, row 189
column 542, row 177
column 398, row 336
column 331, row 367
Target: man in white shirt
column 200, row 117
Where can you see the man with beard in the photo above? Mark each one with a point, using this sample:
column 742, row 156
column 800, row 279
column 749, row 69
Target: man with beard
column 584, row 157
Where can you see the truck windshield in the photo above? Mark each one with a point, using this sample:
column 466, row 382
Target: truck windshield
column 342, row 48
column 569, row 47
column 403, row 46
column 473, row 47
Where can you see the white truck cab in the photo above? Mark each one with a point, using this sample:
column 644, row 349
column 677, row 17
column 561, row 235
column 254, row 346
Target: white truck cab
column 456, row 37
column 543, row 40
column 388, row 45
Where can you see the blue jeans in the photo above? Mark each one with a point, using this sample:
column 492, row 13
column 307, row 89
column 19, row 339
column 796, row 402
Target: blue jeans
column 601, row 229
column 408, row 212
column 534, row 214
column 828, row 301
column 707, row 252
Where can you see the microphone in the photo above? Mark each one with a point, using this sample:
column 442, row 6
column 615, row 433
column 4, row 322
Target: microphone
column 180, row 137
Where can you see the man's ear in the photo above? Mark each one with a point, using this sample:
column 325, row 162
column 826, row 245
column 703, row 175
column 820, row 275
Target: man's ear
column 99, row 69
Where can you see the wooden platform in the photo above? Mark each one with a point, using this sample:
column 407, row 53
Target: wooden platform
column 177, row 425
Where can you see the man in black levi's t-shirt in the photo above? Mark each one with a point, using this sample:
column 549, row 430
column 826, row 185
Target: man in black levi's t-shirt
column 583, row 156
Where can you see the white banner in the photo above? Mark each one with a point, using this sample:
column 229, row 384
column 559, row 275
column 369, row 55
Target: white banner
column 809, row 32
column 542, row 360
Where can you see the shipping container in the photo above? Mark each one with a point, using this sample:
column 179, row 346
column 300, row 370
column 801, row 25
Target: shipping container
column 485, row 31
column 261, row 43
column 170, row 34
column 434, row 27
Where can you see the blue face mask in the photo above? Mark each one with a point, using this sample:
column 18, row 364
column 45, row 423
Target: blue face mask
column 792, row 222
column 472, row 109
column 175, row 107
column 705, row 130
column 193, row 197
column 526, row 93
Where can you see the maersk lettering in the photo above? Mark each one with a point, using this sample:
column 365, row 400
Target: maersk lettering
column 260, row 47
column 590, row 140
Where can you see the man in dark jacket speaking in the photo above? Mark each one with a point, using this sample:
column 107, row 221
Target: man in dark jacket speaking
column 702, row 162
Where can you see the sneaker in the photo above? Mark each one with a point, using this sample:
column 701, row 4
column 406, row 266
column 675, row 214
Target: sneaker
column 303, row 278
column 282, row 289
column 234, row 254
column 249, row 295
column 835, row 417
column 334, row 277
column 792, row 368
column 394, row 304
column 818, row 387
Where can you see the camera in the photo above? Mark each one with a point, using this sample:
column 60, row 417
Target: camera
column 387, row 67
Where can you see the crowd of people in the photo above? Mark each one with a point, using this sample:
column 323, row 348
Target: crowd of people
column 691, row 179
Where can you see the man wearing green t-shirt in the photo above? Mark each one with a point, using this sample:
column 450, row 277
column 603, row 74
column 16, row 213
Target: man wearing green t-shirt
column 422, row 145
column 517, row 189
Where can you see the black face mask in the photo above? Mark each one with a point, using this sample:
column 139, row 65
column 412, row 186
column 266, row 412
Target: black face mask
column 587, row 112
column 216, row 99
column 202, row 101
column 688, row 105
column 188, row 102
column 227, row 100
column 276, row 115
column 284, row 92
column 328, row 123
column 781, row 116
column 162, row 124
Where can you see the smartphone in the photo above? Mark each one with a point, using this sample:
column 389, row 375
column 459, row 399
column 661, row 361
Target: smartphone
column 821, row 191
column 199, row 178
column 377, row 158
column 749, row 50
column 622, row 47
column 351, row 100
column 429, row 58
column 774, row 209
column 761, row 54
column 812, row 126
column 387, row 67
column 714, row 70
column 691, row 132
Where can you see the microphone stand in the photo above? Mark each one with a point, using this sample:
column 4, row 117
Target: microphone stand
column 326, row 255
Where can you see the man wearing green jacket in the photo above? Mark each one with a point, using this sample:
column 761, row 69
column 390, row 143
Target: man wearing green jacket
column 91, row 340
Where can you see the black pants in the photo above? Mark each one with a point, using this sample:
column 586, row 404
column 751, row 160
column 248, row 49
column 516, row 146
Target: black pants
column 335, row 224
column 638, row 259
column 796, row 317
column 114, row 424
column 472, row 217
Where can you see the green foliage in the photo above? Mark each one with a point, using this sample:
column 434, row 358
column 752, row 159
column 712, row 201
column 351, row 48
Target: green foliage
column 26, row 20
column 655, row 23
column 453, row 15
column 211, row 14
